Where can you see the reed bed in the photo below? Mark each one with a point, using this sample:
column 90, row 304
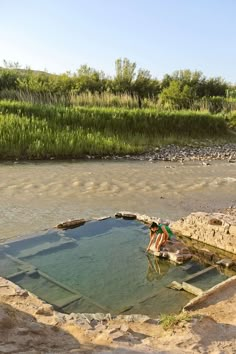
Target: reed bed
column 32, row 131
column 109, row 99
column 32, row 138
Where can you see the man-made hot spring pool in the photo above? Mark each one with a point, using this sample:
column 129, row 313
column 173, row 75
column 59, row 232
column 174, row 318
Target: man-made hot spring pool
column 99, row 267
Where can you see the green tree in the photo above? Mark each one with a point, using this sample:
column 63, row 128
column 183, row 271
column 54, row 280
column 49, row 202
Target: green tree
column 144, row 86
column 176, row 96
column 125, row 76
column 88, row 80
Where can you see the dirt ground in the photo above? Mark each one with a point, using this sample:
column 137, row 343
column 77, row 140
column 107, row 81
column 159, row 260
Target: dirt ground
column 30, row 326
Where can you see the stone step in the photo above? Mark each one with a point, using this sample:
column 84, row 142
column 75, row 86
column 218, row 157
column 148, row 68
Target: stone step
column 192, row 289
column 197, row 274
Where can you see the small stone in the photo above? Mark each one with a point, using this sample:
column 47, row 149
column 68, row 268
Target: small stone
column 175, row 285
column 72, row 316
column 226, row 262
column 101, row 316
column 134, row 318
column 113, row 329
column 70, row 224
column 21, row 292
column 100, row 327
column 45, row 310
column 22, row 331
column 9, row 348
column 83, row 324
column 215, row 221
column 129, row 216
column 124, row 328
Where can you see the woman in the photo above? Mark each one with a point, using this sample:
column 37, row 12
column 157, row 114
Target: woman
column 163, row 233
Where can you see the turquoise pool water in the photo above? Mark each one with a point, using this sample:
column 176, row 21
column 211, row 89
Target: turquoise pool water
column 98, row 267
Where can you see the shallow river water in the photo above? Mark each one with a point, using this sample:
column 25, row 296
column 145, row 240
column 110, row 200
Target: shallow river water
column 36, row 196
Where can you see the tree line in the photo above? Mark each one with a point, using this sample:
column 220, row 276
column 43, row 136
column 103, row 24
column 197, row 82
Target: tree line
column 178, row 90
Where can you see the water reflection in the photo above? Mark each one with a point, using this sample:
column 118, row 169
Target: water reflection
column 156, row 268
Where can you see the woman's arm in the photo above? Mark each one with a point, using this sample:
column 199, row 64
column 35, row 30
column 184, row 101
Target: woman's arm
column 152, row 239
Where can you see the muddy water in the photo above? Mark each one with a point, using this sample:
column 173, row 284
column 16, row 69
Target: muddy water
column 35, row 196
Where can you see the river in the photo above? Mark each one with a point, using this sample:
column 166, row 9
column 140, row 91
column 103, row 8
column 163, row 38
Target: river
column 38, row 195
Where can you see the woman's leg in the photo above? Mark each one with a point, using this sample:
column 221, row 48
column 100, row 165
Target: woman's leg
column 160, row 241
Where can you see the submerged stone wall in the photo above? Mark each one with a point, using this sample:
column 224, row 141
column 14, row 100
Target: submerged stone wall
column 215, row 229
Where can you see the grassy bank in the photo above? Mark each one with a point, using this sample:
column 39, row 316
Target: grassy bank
column 40, row 131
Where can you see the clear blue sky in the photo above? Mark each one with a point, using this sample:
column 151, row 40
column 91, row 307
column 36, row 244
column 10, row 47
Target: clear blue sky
column 159, row 35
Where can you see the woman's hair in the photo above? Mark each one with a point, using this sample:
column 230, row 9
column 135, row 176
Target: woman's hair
column 153, row 224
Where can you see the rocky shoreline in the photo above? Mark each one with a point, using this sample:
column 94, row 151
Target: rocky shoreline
column 171, row 152
column 180, row 154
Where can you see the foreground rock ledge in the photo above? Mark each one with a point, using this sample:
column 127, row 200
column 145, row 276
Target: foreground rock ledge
column 214, row 229
column 28, row 325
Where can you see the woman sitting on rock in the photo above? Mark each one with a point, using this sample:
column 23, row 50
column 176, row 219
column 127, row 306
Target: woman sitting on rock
column 163, row 233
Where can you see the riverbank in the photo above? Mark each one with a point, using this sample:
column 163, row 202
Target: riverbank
column 171, row 152
column 34, row 132
column 183, row 154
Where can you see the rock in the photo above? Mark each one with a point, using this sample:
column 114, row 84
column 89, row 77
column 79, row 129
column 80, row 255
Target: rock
column 70, row 224
column 117, row 334
column 21, row 292
column 22, row 331
column 226, row 262
column 126, row 215
column 124, row 328
column 175, row 285
column 124, row 338
column 113, row 329
column 72, row 316
column 101, row 316
column 215, row 229
column 215, row 221
column 100, row 327
column 60, row 317
column 84, row 324
column 9, row 348
column 129, row 216
column 134, row 318
column 45, row 310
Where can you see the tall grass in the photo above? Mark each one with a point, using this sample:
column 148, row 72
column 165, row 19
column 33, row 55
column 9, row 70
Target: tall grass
column 123, row 121
column 41, row 131
column 105, row 99
column 35, row 97
column 109, row 99
column 32, row 138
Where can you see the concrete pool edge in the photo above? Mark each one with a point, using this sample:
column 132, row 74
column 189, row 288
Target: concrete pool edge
column 203, row 298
